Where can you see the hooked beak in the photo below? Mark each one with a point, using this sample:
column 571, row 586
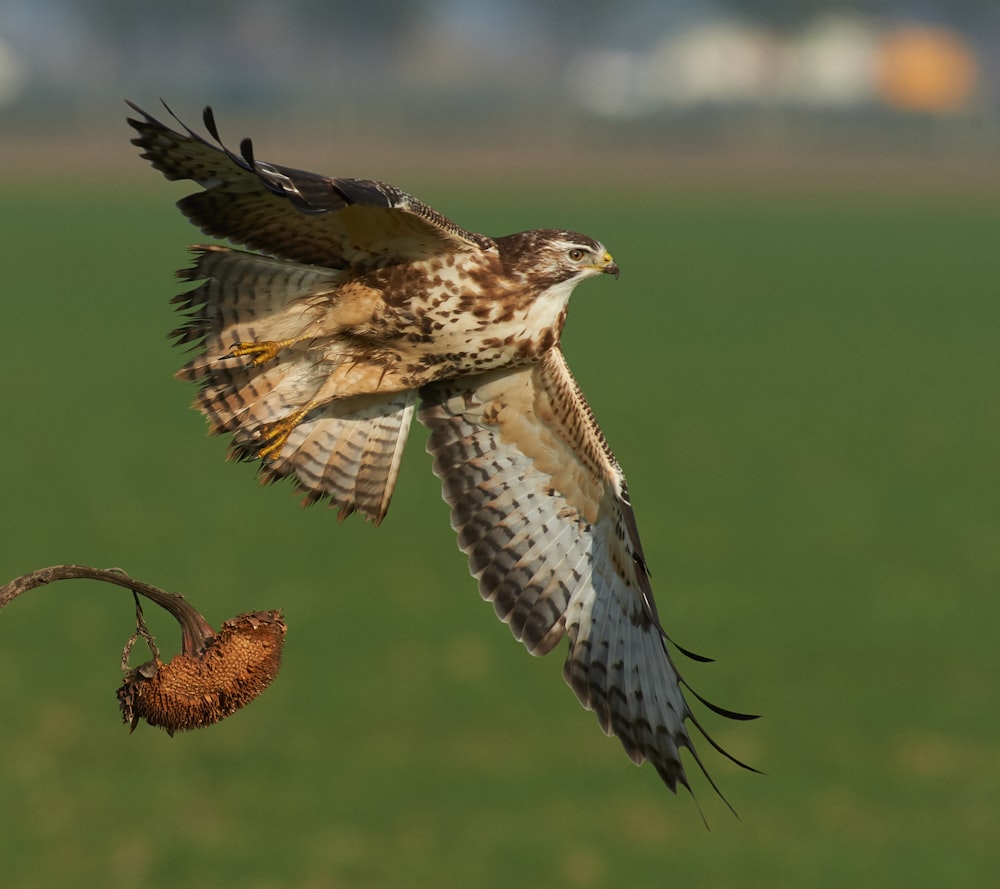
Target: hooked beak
column 608, row 266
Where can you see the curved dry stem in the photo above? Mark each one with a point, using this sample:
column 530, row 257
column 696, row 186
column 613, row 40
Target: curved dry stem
column 196, row 632
column 214, row 675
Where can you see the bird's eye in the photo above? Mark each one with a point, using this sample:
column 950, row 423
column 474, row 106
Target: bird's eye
column 576, row 254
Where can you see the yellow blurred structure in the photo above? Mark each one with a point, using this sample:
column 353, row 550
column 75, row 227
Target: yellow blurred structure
column 928, row 69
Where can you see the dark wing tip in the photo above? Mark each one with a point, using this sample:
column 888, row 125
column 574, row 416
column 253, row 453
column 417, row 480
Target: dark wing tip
column 722, row 711
column 137, row 124
column 246, row 149
column 687, row 652
column 208, row 118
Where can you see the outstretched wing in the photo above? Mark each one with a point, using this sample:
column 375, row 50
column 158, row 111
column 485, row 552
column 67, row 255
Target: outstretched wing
column 542, row 511
column 292, row 213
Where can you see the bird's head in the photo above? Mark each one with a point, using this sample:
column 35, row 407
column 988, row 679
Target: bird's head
column 578, row 256
column 554, row 256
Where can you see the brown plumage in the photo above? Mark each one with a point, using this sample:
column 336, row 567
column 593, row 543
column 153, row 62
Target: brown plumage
column 363, row 305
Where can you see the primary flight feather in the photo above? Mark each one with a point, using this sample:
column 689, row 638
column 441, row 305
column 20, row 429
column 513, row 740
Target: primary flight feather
column 359, row 306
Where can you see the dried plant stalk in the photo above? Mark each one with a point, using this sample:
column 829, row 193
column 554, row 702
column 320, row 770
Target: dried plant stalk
column 213, row 676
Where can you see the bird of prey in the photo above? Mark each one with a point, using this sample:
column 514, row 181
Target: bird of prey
column 354, row 306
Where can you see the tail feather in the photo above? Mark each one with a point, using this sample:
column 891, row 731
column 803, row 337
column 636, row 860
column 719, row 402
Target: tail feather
column 349, row 452
column 273, row 361
column 234, row 396
column 245, row 297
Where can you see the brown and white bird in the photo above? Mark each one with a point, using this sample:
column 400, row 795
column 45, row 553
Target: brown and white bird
column 363, row 305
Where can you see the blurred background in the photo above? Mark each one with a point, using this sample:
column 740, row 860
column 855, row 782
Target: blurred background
column 745, row 77
column 798, row 370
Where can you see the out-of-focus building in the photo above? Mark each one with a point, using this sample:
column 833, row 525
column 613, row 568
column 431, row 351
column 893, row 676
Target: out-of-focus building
column 837, row 62
column 928, row 69
column 12, row 74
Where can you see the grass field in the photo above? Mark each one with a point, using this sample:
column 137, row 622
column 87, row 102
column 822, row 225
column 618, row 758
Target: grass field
column 803, row 391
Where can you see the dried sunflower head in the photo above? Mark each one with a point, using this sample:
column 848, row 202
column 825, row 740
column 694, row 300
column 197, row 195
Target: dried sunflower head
column 213, row 676
column 194, row 690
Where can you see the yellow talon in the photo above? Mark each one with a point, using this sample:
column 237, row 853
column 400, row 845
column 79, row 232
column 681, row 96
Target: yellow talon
column 261, row 352
column 276, row 434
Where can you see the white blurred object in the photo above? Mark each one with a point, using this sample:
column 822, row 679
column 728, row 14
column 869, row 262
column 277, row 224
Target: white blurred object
column 832, row 64
column 12, row 74
column 836, row 62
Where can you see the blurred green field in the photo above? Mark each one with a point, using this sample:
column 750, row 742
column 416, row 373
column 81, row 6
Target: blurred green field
column 803, row 390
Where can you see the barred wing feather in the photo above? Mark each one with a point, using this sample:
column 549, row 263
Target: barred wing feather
column 541, row 509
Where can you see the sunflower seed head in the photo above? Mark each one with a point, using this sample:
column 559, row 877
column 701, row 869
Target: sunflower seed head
column 190, row 692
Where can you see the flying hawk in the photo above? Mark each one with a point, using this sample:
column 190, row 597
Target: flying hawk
column 363, row 305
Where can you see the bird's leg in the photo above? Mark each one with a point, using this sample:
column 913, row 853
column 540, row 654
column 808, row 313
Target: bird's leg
column 260, row 352
column 273, row 436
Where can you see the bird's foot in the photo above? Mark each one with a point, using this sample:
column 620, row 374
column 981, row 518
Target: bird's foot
column 260, row 353
column 272, row 436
